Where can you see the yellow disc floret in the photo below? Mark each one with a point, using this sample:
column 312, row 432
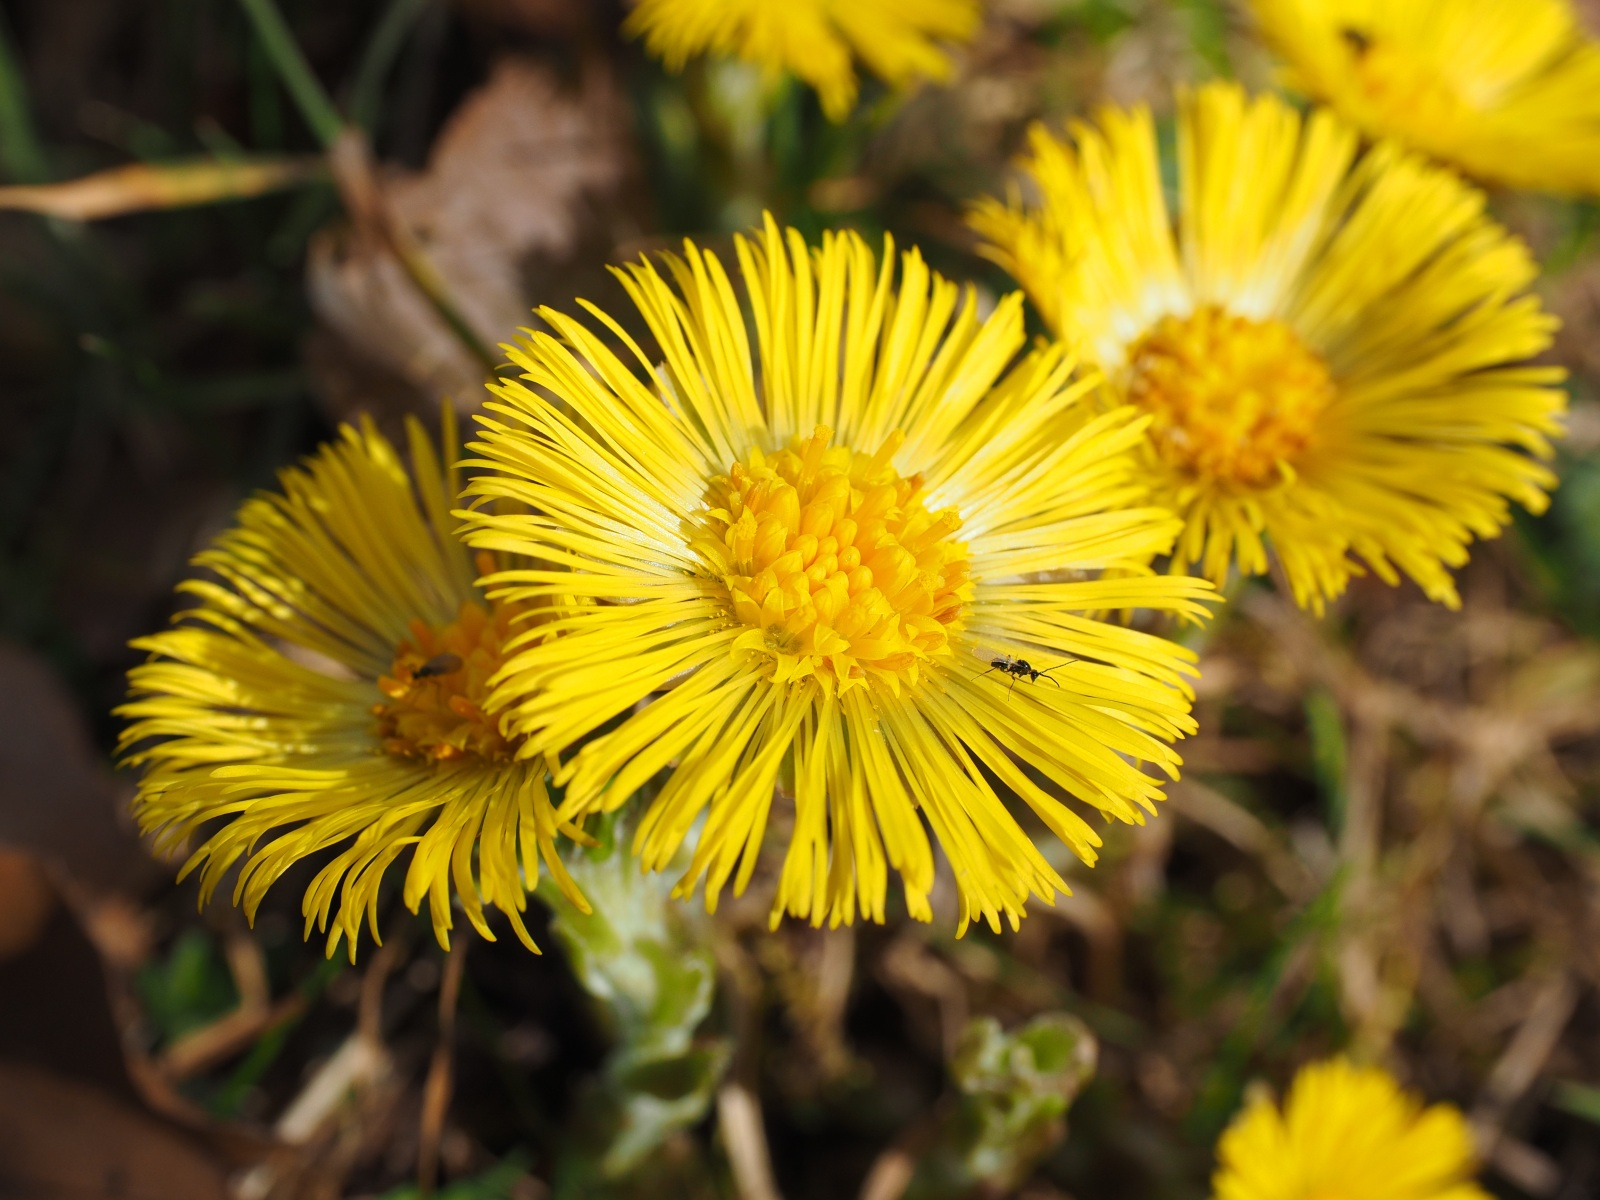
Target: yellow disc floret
column 438, row 684
column 1232, row 400
column 833, row 561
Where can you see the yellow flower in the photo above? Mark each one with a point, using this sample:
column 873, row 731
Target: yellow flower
column 812, row 39
column 1333, row 347
column 1506, row 90
column 1346, row 1133
column 809, row 551
column 326, row 689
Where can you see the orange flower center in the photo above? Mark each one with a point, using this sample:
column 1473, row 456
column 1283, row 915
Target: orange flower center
column 835, row 564
column 1232, row 399
column 438, row 684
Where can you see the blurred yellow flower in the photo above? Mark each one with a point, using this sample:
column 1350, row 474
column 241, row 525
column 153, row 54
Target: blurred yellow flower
column 807, row 553
column 325, row 689
column 1346, row 1133
column 1333, row 348
column 1509, row 92
column 816, row 40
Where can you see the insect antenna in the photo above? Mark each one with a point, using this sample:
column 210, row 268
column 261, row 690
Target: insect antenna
column 1046, row 673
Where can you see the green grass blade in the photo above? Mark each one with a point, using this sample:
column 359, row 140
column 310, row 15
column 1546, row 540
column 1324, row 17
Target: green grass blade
column 388, row 39
column 302, row 85
column 21, row 154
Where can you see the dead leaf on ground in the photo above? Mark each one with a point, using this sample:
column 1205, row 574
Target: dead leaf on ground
column 139, row 187
column 515, row 173
column 57, row 800
column 26, row 902
column 61, row 1140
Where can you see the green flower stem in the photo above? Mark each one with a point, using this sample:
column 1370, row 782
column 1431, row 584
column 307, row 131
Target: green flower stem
column 649, row 967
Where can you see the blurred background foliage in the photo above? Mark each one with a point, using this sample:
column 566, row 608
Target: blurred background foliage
column 1386, row 839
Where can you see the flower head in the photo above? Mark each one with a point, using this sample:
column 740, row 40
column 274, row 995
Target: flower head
column 1333, row 349
column 815, row 40
column 326, row 689
column 1507, row 92
column 824, row 558
column 1346, row 1133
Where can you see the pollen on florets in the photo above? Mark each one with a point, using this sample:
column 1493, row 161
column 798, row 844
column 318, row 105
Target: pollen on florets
column 835, row 563
column 1233, row 399
column 438, row 684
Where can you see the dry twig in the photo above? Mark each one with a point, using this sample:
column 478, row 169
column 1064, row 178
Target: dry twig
column 436, row 1091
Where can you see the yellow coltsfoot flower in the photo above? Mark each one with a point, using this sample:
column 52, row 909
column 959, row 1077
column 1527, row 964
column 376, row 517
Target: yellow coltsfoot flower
column 1507, row 92
column 327, row 689
column 902, row 41
column 1333, row 348
column 831, row 557
column 1346, row 1133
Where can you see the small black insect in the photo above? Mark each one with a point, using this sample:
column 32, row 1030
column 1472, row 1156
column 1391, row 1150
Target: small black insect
column 1021, row 668
column 439, row 664
column 1358, row 41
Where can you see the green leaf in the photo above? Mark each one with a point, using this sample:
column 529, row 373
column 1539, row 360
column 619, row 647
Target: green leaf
column 1579, row 1099
column 1015, row 1090
column 191, row 988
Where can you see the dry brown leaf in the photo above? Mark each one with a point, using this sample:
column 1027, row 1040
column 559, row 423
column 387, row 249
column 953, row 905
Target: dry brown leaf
column 139, row 187
column 61, row 1139
column 26, row 901
column 56, row 798
column 511, row 178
